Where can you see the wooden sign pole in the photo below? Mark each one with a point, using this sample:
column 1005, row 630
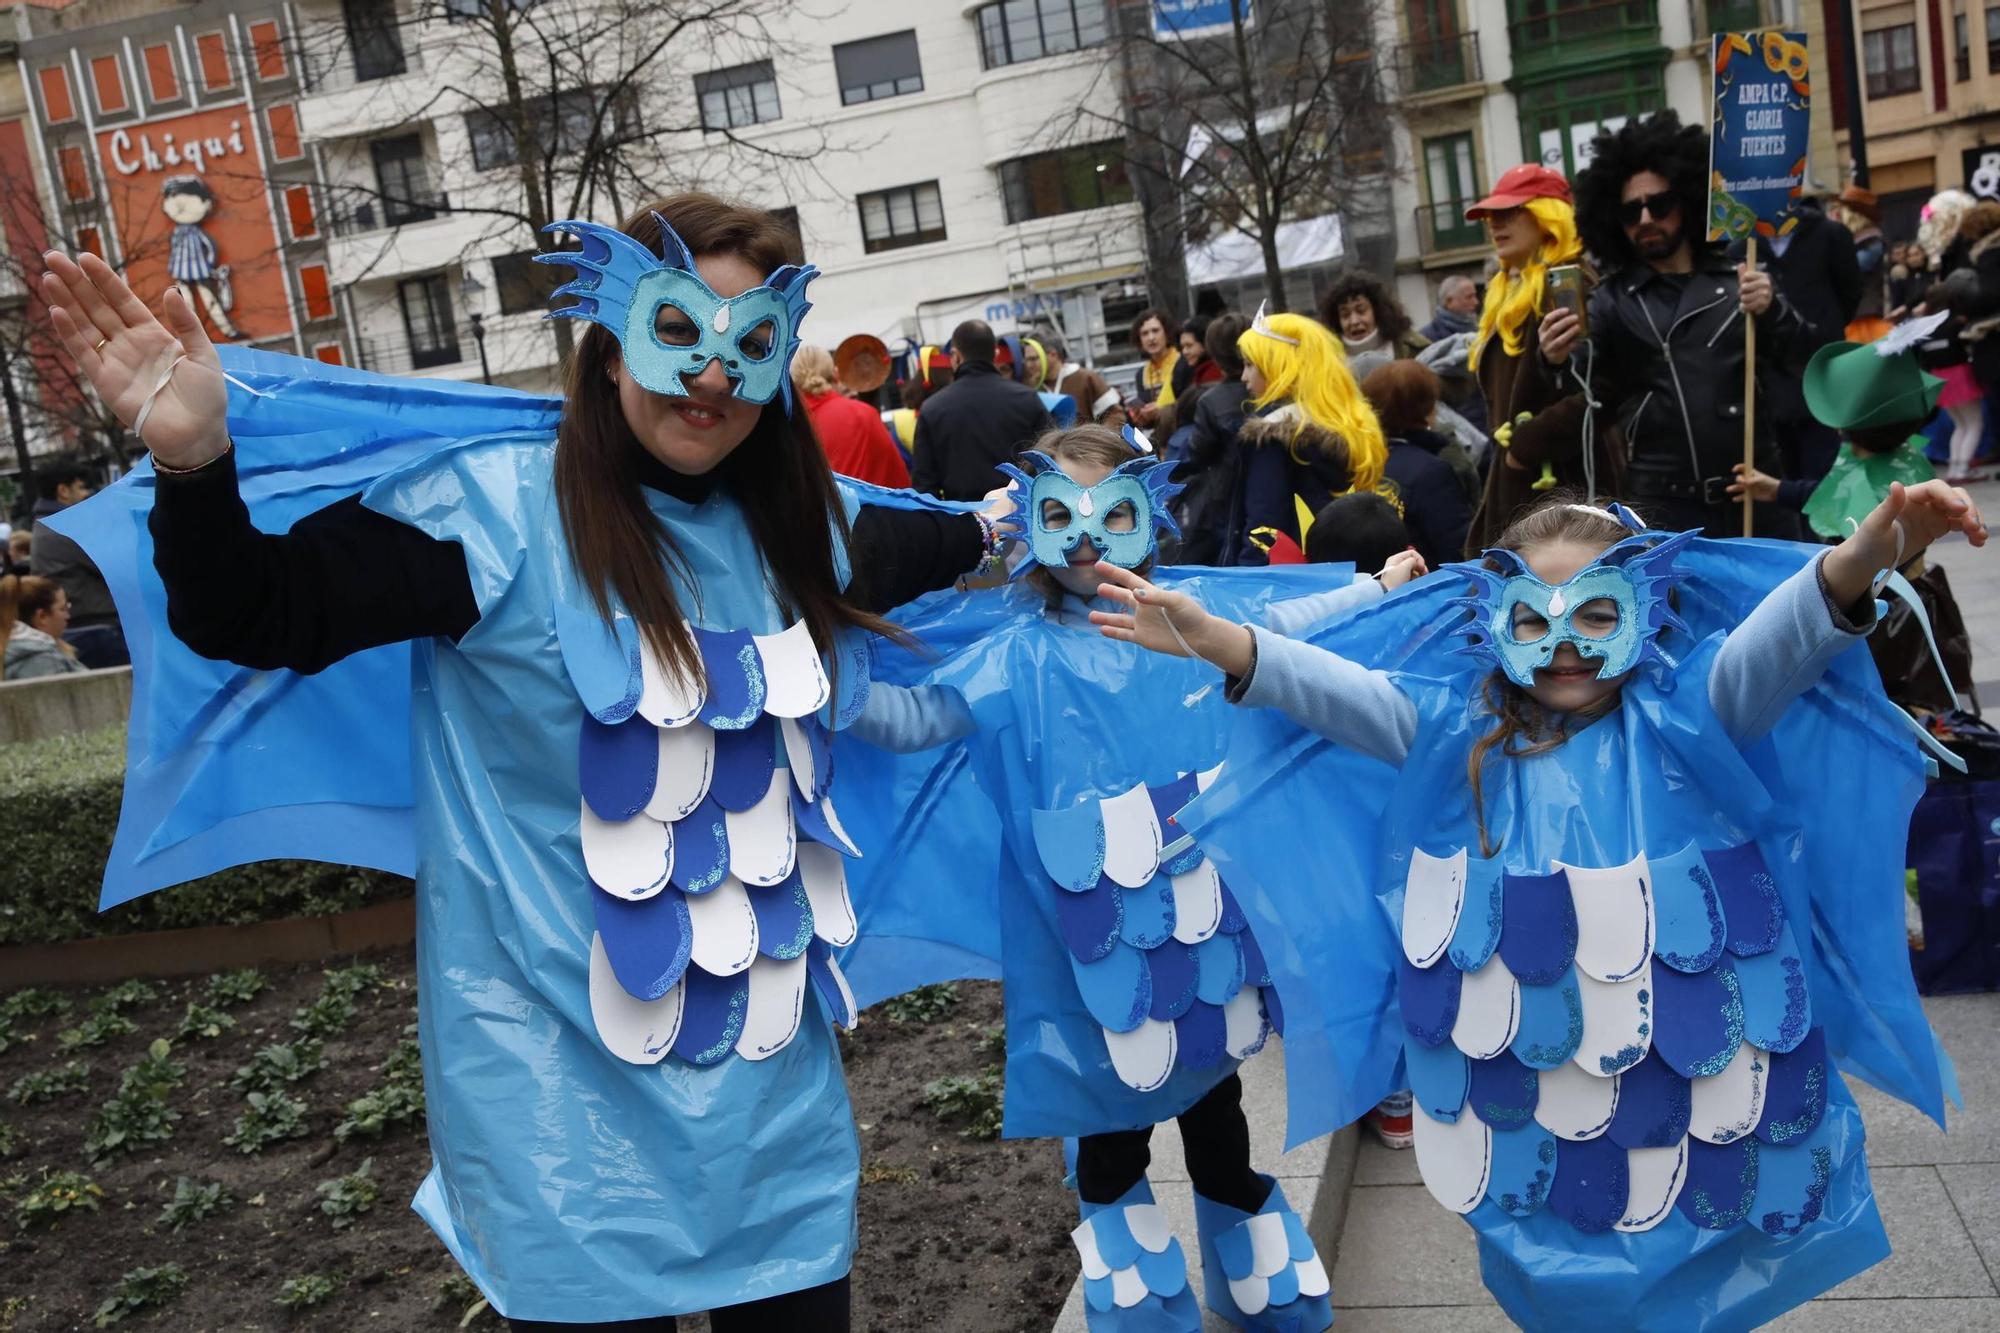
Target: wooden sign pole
column 1749, row 387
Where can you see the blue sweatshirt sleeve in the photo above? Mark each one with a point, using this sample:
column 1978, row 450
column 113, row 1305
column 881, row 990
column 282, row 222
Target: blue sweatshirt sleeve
column 1780, row 651
column 1296, row 615
column 903, row 719
column 1329, row 695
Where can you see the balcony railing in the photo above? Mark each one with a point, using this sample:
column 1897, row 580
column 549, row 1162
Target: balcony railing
column 359, row 216
column 1549, row 34
column 397, row 355
column 331, row 61
column 1436, row 63
column 1443, row 227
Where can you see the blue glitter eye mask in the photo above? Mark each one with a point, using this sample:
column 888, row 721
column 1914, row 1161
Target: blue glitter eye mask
column 671, row 324
column 1059, row 513
column 1634, row 576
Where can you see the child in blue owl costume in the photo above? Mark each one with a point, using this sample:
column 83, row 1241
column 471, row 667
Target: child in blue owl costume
column 1638, row 845
column 1134, row 984
column 631, row 878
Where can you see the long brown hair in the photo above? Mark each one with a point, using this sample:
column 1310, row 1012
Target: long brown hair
column 1524, row 728
column 22, row 598
column 778, row 475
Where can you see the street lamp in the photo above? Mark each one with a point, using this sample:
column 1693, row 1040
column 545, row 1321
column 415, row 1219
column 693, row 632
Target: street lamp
column 469, row 291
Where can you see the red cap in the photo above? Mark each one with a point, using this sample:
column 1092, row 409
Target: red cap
column 1517, row 187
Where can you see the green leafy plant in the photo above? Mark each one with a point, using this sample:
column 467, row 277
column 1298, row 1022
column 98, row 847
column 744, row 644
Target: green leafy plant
column 405, row 1063
column 270, row 1118
column 125, row 995
column 325, row 1017
column 46, row 1084
column 973, row 1100
column 460, row 1292
column 370, row 1115
column 274, row 1066
column 193, row 1200
column 991, row 1042
column 59, row 801
column 131, row 1120
column 34, row 1002
column 238, row 987
column 139, row 1290
column 95, row 1031
column 8, row 1035
column 346, row 1198
column 157, row 1072
column 7, row 1139
column 54, row 1196
column 352, row 981
column 203, row 1021
column 925, row 1004
column 303, row 1293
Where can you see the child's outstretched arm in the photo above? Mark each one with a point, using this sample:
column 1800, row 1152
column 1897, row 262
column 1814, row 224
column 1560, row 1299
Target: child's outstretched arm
column 1786, row 644
column 904, row 719
column 1295, row 615
column 1321, row 691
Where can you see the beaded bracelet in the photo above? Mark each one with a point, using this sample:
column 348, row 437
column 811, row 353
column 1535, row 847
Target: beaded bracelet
column 993, row 547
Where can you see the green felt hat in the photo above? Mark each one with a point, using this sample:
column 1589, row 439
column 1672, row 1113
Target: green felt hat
column 1853, row 386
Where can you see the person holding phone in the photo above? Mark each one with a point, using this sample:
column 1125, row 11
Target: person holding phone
column 1664, row 353
column 1535, row 409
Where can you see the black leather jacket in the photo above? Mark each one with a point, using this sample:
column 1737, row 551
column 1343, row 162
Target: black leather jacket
column 1667, row 369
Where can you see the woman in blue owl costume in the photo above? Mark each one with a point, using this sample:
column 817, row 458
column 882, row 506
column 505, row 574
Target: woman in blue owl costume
column 1640, row 847
column 1133, row 983
column 600, row 645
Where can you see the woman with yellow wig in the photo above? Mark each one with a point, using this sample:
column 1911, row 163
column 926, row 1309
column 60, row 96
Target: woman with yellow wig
column 1314, row 436
column 1535, row 411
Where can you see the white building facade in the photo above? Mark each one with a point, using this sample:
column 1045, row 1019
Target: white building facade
column 915, row 149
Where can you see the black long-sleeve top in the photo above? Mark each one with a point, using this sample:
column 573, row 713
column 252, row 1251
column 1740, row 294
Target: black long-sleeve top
column 346, row 578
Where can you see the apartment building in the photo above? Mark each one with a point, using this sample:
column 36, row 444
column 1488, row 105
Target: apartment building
column 1930, row 101
column 929, row 158
column 168, row 140
column 1485, row 85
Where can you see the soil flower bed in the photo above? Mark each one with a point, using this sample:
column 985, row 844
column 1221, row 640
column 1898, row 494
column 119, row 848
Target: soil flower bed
column 238, row 1152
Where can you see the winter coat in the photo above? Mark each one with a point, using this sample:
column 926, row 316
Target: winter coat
column 31, row 653
column 971, row 426
column 1667, row 368
column 56, row 557
column 1821, row 278
column 1975, row 298
column 1287, row 465
column 1524, row 385
column 1435, row 511
column 856, row 442
column 1210, row 509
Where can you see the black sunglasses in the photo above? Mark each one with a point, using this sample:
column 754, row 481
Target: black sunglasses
column 1662, row 206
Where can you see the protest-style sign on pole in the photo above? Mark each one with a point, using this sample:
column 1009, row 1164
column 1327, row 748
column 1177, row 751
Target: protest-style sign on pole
column 1757, row 165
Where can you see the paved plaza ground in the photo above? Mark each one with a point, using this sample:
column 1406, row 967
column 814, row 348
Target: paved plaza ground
column 1402, row 1264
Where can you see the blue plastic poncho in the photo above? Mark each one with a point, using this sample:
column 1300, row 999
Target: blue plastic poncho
column 1622, row 1028
column 1132, row 981
column 625, row 972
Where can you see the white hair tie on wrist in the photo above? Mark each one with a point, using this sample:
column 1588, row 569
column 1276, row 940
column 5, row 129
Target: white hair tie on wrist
column 146, row 408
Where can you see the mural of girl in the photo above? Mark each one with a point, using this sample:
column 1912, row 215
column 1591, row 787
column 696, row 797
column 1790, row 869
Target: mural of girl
column 191, row 252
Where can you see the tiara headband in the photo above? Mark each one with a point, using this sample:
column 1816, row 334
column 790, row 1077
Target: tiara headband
column 1260, row 325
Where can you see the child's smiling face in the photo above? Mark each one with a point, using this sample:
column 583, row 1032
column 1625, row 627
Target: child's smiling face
column 1569, row 683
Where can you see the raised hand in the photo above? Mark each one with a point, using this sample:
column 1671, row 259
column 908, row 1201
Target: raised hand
column 126, row 354
column 1922, row 514
column 1168, row 622
column 1400, row 569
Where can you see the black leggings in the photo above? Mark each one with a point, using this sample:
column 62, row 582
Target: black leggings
column 1215, row 1138
column 821, row 1309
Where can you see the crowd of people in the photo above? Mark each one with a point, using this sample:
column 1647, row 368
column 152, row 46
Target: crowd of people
column 1596, row 840
column 56, row 614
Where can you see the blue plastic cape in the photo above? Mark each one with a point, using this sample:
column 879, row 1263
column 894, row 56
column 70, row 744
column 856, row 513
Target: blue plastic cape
column 571, row 1182
column 213, row 750
column 1131, row 980
column 1776, row 953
